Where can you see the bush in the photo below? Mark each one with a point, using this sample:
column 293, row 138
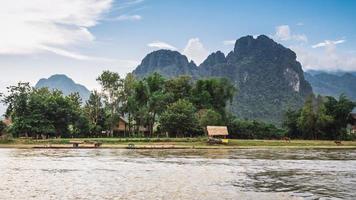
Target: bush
column 245, row 129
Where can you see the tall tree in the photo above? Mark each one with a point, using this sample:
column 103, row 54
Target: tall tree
column 111, row 84
column 157, row 98
column 17, row 107
column 129, row 105
column 95, row 113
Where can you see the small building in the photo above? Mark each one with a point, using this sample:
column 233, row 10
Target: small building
column 7, row 121
column 122, row 128
column 217, row 131
column 352, row 122
column 121, row 125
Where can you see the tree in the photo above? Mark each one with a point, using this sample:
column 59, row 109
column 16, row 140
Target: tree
column 17, row 107
column 246, row 129
column 291, row 123
column 111, row 84
column 95, row 113
column 2, row 127
column 179, row 88
column 307, row 119
column 339, row 110
column 213, row 94
column 129, row 105
column 179, row 118
column 208, row 117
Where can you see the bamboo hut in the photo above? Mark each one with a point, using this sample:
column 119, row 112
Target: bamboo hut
column 217, row 134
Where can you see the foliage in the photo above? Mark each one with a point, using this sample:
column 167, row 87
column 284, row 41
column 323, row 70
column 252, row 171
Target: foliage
column 37, row 112
column 95, row 113
column 208, row 117
column 212, row 94
column 320, row 118
column 145, row 102
column 245, row 129
column 112, row 86
column 179, row 118
column 2, row 127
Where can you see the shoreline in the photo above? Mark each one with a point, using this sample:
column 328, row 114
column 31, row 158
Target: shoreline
column 172, row 143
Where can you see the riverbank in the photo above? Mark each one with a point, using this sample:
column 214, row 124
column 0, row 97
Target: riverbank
column 173, row 143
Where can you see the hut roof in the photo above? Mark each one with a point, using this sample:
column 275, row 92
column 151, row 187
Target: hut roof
column 217, row 130
column 7, row 121
column 123, row 119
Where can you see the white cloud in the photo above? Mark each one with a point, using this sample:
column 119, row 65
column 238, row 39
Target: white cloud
column 74, row 55
column 300, row 24
column 229, row 42
column 161, row 45
column 328, row 43
column 195, row 51
column 283, row 33
column 36, row 26
column 328, row 59
column 128, row 18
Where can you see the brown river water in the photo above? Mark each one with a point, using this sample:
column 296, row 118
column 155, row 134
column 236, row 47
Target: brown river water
column 177, row 174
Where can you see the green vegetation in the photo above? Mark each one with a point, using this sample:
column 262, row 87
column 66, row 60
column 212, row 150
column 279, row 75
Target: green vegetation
column 320, row 118
column 174, row 107
column 159, row 108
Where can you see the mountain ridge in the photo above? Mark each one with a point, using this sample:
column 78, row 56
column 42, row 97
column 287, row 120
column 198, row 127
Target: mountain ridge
column 65, row 84
column 267, row 75
column 331, row 84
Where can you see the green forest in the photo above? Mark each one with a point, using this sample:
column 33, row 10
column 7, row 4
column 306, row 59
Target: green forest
column 177, row 107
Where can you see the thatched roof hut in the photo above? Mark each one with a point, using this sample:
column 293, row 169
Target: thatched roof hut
column 217, row 131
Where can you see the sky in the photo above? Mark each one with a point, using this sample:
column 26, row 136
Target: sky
column 81, row 38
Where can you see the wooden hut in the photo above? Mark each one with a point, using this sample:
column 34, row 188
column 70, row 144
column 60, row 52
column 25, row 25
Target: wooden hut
column 217, row 134
column 121, row 127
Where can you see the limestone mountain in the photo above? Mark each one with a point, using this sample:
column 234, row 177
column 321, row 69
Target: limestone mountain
column 64, row 84
column 166, row 62
column 329, row 84
column 267, row 76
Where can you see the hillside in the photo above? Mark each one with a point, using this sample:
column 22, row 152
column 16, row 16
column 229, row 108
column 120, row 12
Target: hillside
column 329, row 84
column 64, row 84
column 268, row 77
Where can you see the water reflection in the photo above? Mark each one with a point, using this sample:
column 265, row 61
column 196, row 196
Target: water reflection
column 177, row 174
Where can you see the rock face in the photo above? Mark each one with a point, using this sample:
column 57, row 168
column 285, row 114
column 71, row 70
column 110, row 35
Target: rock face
column 267, row 76
column 64, row 84
column 168, row 63
column 333, row 84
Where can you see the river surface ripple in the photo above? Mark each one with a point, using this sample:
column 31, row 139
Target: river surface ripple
column 177, row 174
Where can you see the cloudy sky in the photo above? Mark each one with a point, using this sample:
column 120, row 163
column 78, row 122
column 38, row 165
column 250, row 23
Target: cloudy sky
column 81, row 38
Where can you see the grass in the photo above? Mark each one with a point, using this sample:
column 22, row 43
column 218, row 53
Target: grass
column 179, row 142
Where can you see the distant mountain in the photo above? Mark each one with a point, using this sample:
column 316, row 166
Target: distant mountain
column 64, row 84
column 268, row 77
column 329, row 84
column 339, row 73
column 166, row 62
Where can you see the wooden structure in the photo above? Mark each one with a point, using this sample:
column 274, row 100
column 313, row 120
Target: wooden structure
column 121, row 125
column 217, row 134
column 76, row 143
column 7, row 121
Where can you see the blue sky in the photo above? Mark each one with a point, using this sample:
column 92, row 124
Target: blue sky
column 81, row 38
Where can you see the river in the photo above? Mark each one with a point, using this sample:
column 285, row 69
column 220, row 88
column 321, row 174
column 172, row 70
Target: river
column 177, row 174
